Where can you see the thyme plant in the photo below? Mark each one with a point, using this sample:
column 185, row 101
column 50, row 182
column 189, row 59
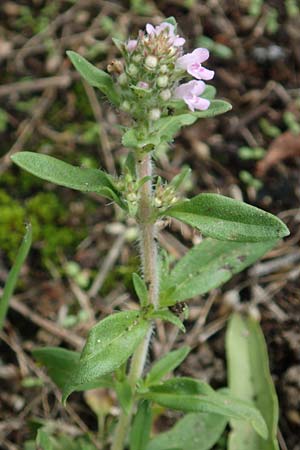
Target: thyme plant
column 162, row 89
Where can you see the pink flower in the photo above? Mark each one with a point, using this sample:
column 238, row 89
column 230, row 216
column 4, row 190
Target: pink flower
column 131, row 45
column 189, row 92
column 175, row 40
column 192, row 63
column 143, row 85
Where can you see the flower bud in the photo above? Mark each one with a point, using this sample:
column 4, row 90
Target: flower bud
column 133, row 70
column 165, row 94
column 151, row 62
column 137, row 58
column 125, row 106
column 131, row 197
column 143, row 85
column 164, row 68
column 154, row 114
column 122, row 79
column 162, row 81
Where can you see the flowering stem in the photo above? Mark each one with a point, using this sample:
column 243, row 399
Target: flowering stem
column 148, row 249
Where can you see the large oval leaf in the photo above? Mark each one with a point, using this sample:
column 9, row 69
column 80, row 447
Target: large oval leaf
column 223, row 218
column 189, row 395
column 95, row 77
column 247, row 355
column 207, row 266
column 194, row 431
column 110, row 343
column 59, row 172
column 60, row 364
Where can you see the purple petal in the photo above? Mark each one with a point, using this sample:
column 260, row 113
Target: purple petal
column 131, row 45
column 150, row 29
column 178, row 42
column 200, row 54
column 199, row 72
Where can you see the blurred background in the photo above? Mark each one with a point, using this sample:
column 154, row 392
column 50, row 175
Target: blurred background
column 84, row 252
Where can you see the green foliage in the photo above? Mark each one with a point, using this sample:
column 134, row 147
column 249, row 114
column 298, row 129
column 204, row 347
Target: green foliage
column 164, row 129
column 110, row 343
column 3, row 120
column 64, row 174
column 141, row 426
column 217, row 49
column 13, row 275
column 247, row 355
column 223, row 218
column 49, row 218
column 291, row 122
column 95, row 77
column 166, row 315
column 207, row 266
column 140, row 289
column 251, row 153
column 60, row 364
column 166, row 365
column 268, row 129
column 194, row 431
column 189, row 395
column 249, row 180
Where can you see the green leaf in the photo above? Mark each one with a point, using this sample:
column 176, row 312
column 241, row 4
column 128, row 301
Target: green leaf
column 195, row 431
column 141, row 426
column 247, row 354
column 188, row 395
column 110, row 343
column 14, row 274
column 43, row 440
column 216, row 108
column 168, row 316
column 223, row 218
column 207, row 266
column 166, row 365
column 64, row 174
column 177, row 181
column 140, row 289
column 60, row 364
column 167, row 127
column 95, row 77
column 124, row 393
column 210, row 93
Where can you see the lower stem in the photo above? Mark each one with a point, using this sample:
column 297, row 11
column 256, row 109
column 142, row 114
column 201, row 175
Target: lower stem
column 148, row 249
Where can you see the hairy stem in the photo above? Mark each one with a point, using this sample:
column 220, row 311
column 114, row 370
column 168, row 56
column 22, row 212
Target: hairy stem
column 148, row 249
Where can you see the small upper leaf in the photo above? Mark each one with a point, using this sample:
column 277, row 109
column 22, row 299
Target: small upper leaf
column 59, row 172
column 223, row 218
column 95, row 77
column 110, row 343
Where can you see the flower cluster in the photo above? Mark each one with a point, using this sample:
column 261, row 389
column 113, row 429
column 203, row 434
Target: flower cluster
column 153, row 69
